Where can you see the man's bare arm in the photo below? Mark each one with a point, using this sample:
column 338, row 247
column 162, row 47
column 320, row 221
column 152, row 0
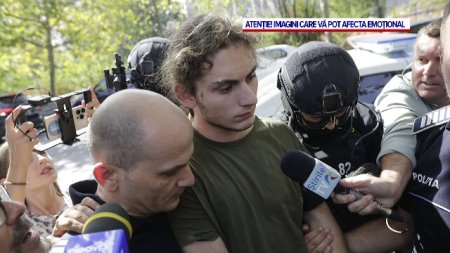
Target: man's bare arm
column 321, row 217
column 216, row 246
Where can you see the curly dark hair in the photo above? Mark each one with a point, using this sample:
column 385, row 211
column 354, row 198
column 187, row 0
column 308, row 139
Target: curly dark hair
column 199, row 38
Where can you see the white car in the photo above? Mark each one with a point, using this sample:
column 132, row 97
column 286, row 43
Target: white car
column 276, row 52
column 378, row 57
column 271, row 58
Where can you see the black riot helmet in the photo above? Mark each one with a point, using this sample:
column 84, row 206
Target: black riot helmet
column 319, row 79
column 144, row 62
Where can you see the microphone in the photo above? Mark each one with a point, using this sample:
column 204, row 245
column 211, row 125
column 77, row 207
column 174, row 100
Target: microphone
column 109, row 216
column 108, row 230
column 322, row 179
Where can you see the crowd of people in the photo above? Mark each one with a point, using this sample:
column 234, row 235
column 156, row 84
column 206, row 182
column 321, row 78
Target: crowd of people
column 197, row 171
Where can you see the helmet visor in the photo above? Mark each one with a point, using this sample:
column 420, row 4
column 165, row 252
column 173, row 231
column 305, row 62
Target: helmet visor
column 318, row 122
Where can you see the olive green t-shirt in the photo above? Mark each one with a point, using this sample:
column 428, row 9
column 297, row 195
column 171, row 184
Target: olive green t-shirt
column 241, row 194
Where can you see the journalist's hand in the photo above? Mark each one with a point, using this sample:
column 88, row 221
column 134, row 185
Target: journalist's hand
column 73, row 218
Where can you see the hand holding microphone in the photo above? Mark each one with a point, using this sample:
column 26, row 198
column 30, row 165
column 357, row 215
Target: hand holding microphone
column 357, row 201
column 321, row 179
column 108, row 230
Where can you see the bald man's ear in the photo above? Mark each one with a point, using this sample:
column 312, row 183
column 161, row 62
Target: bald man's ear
column 107, row 177
column 185, row 97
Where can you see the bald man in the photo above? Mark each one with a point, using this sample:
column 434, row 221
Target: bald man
column 140, row 143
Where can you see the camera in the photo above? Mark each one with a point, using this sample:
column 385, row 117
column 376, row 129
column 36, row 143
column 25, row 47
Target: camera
column 66, row 122
column 53, row 127
column 80, row 118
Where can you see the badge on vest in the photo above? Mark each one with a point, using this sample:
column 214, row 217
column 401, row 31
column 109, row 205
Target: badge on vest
column 431, row 119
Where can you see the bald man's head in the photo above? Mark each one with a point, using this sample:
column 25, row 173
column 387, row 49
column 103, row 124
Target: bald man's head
column 135, row 124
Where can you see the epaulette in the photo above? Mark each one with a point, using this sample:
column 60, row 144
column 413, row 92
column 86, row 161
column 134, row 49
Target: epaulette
column 432, row 119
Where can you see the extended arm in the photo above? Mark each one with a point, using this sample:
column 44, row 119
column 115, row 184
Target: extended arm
column 386, row 189
column 216, row 246
column 73, row 218
column 375, row 236
column 21, row 141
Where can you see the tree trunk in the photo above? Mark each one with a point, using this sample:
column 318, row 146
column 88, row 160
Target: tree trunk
column 51, row 60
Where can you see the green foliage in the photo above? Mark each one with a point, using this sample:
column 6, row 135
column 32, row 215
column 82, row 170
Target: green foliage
column 418, row 10
column 66, row 44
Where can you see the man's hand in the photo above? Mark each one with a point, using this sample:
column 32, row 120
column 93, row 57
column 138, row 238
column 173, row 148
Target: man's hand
column 73, row 218
column 318, row 240
column 387, row 189
column 363, row 206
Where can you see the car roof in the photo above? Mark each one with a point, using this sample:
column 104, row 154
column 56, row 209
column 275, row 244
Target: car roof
column 7, row 95
column 278, row 46
column 395, row 58
column 370, row 63
column 376, row 53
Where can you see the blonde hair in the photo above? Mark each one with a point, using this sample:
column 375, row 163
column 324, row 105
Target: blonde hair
column 4, row 166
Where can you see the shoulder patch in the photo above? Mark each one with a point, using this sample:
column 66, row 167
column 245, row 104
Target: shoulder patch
column 431, row 119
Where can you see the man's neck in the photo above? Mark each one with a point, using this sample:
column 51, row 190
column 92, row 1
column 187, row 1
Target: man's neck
column 129, row 207
column 219, row 134
column 444, row 101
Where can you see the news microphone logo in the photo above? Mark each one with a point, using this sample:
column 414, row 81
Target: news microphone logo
column 107, row 231
column 113, row 241
column 322, row 180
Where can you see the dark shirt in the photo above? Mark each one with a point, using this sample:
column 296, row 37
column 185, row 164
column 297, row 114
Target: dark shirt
column 150, row 234
column 345, row 149
column 427, row 196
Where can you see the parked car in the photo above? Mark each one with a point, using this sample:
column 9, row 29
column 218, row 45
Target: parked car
column 378, row 57
column 7, row 105
column 271, row 58
column 276, row 52
column 101, row 91
column 415, row 27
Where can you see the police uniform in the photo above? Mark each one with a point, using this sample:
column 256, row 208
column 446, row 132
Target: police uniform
column 427, row 196
column 345, row 150
column 321, row 80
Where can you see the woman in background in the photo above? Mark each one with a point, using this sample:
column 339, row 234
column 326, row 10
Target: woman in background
column 29, row 176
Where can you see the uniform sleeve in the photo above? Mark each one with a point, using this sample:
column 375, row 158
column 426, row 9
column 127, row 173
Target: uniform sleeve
column 399, row 108
column 190, row 221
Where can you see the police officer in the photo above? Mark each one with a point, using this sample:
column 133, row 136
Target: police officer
column 319, row 89
column 145, row 61
column 427, row 195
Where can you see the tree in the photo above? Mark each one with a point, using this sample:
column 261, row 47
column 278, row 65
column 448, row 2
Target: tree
column 64, row 45
column 34, row 25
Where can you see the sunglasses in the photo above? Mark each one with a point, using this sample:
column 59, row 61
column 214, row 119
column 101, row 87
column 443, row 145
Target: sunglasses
column 318, row 122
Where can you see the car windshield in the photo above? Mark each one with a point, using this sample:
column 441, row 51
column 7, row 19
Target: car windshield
column 9, row 99
column 3, row 105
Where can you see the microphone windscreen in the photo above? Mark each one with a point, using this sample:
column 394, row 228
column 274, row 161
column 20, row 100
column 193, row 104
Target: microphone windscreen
column 297, row 165
column 109, row 216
